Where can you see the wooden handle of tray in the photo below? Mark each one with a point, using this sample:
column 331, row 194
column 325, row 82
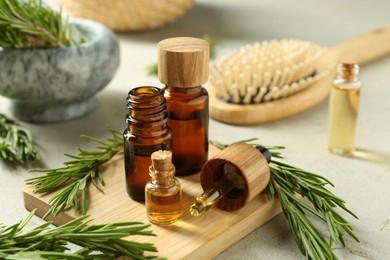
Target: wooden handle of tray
column 364, row 48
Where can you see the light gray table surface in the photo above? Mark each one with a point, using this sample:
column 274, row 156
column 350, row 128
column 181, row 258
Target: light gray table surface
column 364, row 181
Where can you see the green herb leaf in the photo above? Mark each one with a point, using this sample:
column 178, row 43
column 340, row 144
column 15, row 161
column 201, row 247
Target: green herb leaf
column 103, row 241
column 72, row 178
column 27, row 24
column 16, row 143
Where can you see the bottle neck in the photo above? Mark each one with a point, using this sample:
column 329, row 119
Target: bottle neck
column 347, row 72
column 148, row 114
column 162, row 177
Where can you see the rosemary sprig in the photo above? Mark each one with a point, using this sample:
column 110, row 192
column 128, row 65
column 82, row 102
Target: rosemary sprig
column 26, row 24
column 287, row 181
column 73, row 177
column 213, row 42
column 16, row 143
column 104, row 241
column 152, row 69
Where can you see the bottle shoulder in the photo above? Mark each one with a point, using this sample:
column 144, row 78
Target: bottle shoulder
column 346, row 85
column 185, row 93
column 172, row 183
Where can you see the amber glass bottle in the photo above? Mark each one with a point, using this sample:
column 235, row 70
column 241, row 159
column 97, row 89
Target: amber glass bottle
column 183, row 68
column 146, row 133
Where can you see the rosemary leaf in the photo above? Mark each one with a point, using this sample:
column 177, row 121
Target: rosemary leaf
column 16, row 143
column 102, row 241
column 72, row 178
column 152, row 69
column 27, row 24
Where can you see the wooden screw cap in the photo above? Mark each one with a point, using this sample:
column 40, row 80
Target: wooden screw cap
column 183, row 62
column 250, row 164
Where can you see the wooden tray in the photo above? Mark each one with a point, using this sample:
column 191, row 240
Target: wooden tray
column 191, row 238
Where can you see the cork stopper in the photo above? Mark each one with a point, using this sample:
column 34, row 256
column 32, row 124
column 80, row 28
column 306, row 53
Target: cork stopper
column 183, row 62
column 161, row 160
column 348, row 70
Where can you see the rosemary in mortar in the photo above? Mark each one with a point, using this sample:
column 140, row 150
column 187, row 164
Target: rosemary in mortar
column 103, row 241
column 26, row 24
column 16, row 143
column 73, row 177
column 287, row 181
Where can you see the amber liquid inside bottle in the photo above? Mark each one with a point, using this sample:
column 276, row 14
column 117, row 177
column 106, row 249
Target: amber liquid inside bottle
column 137, row 164
column 188, row 121
column 163, row 204
column 147, row 132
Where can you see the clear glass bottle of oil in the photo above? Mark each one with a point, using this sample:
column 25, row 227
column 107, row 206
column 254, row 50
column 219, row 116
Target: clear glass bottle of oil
column 343, row 110
column 183, row 68
column 146, row 133
column 163, row 191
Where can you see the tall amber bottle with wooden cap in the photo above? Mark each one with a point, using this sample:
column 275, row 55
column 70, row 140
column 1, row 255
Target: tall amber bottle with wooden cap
column 183, row 66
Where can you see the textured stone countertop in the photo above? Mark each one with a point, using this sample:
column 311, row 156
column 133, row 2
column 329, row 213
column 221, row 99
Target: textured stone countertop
column 363, row 181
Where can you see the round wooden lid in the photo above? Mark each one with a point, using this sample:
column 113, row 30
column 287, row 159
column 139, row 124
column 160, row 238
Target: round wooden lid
column 183, row 62
column 249, row 163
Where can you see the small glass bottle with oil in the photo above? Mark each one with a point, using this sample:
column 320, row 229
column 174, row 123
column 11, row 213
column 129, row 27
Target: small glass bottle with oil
column 163, row 191
column 343, row 110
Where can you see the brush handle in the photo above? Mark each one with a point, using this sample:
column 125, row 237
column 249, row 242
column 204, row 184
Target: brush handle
column 364, row 48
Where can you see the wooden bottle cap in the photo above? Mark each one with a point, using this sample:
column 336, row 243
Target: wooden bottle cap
column 161, row 160
column 249, row 163
column 183, row 62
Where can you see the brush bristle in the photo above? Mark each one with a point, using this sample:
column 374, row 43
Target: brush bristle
column 266, row 71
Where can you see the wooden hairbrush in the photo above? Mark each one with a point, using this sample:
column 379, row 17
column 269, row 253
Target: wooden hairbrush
column 273, row 80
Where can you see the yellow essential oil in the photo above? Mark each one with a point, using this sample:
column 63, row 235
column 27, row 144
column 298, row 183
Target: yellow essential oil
column 343, row 110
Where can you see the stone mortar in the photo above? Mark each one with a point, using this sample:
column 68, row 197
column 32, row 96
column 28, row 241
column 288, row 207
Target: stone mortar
column 57, row 84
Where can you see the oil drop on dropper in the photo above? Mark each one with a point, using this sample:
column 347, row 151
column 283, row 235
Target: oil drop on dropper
column 228, row 183
column 232, row 178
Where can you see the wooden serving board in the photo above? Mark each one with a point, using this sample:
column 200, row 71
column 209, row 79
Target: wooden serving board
column 190, row 238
